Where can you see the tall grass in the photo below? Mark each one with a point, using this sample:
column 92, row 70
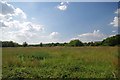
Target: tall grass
column 60, row 62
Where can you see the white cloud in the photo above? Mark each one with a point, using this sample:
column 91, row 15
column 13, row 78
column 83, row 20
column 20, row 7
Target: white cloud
column 6, row 8
column 96, row 35
column 29, row 26
column 54, row 35
column 117, row 11
column 21, row 31
column 32, row 37
column 116, row 20
column 9, row 11
column 16, row 27
column 25, row 26
column 18, row 12
column 63, row 6
column 113, row 31
column 5, row 18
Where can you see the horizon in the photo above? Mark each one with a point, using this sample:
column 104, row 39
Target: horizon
column 58, row 42
column 52, row 22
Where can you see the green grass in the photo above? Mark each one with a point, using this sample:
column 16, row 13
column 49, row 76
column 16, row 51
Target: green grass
column 60, row 62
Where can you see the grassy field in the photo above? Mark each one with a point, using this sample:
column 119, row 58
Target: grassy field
column 60, row 62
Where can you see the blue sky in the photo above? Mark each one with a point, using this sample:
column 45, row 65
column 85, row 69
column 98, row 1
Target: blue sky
column 61, row 21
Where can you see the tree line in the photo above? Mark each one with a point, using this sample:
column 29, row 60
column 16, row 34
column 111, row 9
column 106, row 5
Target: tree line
column 110, row 41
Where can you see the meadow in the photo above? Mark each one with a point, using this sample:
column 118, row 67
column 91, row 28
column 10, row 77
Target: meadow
column 60, row 62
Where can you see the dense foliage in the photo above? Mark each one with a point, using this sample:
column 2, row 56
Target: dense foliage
column 25, row 44
column 110, row 41
column 75, row 43
column 9, row 44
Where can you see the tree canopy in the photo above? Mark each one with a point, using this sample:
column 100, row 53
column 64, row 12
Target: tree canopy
column 75, row 43
column 25, row 44
column 111, row 41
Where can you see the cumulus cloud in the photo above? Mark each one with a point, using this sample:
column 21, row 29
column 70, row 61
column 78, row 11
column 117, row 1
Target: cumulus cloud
column 32, row 37
column 16, row 27
column 10, row 16
column 9, row 10
column 63, row 6
column 96, row 35
column 54, row 35
column 18, row 12
column 25, row 26
column 2, row 24
column 6, row 8
column 20, row 32
column 117, row 11
column 116, row 20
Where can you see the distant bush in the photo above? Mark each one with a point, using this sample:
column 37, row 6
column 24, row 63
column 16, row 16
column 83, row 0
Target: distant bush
column 75, row 43
column 25, row 44
column 41, row 45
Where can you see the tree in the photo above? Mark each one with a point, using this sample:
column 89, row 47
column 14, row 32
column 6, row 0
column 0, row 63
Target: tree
column 0, row 43
column 85, row 44
column 41, row 44
column 97, row 43
column 9, row 44
column 111, row 41
column 75, row 43
column 65, row 44
column 25, row 44
column 90, row 44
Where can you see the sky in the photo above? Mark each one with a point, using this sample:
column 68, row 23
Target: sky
column 47, row 22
